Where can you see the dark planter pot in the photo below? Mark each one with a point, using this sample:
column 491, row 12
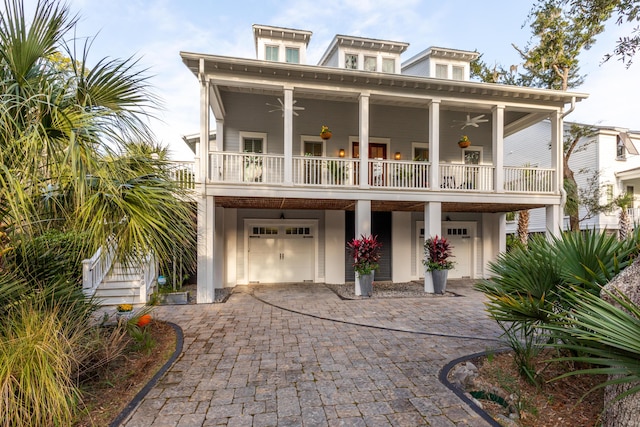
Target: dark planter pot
column 439, row 281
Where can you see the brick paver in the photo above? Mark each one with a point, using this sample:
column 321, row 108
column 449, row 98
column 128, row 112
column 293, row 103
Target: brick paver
column 297, row 355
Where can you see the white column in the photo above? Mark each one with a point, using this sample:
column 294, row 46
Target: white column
column 288, row 136
column 554, row 220
column 495, row 238
column 554, row 213
column 230, row 246
column 498, row 148
column 217, row 145
column 334, row 246
column 432, row 228
column 202, row 152
column 557, row 149
column 434, row 145
column 218, row 249
column 206, row 236
column 363, row 218
column 432, row 219
column 401, row 247
column 364, row 140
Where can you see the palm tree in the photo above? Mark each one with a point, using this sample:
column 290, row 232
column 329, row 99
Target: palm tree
column 76, row 152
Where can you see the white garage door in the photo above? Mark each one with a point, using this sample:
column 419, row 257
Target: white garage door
column 279, row 254
column 461, row 235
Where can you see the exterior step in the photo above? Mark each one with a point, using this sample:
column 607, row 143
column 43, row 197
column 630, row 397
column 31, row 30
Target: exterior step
column 120, row 283
column 123, row 292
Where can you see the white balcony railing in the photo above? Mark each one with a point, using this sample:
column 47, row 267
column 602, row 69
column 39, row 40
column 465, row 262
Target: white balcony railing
column 528, row 180
column 251, row 168
column 325, row 172
column 398, row 174
column 466, row 177
column 259, row 169
column 184, row 173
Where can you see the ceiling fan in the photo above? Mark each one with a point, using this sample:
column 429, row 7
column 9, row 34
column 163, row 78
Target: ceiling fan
column 471, row 121
column 281, row 107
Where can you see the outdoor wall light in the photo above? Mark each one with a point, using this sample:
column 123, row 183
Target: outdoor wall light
column 397, row 155
column 341, row 152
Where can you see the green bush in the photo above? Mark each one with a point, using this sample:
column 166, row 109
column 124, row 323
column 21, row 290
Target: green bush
column 37, row 353
column 53, row 256
column 530, row 286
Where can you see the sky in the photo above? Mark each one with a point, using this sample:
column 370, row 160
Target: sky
column 156, row 31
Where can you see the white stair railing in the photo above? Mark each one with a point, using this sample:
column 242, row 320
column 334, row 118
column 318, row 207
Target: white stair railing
column 95, row 269
column 149, row 274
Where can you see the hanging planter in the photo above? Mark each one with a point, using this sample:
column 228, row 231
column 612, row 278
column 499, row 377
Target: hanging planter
column 464, row 141
column 325, row 133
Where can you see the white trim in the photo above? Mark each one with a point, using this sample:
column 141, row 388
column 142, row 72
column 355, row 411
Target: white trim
column 256, row 135
column 253, row 222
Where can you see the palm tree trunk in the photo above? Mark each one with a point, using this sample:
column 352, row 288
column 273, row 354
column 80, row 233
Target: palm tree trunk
column 624, row 412
column 523, row 227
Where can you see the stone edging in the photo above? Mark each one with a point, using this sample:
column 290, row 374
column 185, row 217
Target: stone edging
column 444, row 373
column 122, row 416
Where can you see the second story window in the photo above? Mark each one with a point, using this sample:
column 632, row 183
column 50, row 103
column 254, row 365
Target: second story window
column 293, row 55
column 370, row 63
column 457, row 73
column 388, row 65
column 442, row 71
column 252, row 145
column 351, row 61
column 271, row 53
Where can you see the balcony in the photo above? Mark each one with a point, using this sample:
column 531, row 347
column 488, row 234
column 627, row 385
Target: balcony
column 268, row 170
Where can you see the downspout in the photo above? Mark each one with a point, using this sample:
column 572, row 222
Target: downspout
column 573, row 107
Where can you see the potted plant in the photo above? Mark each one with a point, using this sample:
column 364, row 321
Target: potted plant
column 437, row 251
column 464, row 141
column 124, row 311
column 365, row 253
column 325, row 132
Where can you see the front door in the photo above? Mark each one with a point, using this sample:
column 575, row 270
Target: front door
column 377, row 171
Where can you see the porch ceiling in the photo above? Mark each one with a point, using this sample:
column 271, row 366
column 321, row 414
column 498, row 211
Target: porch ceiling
column 349, row 205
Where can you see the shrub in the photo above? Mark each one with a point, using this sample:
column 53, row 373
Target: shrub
column 37, row 356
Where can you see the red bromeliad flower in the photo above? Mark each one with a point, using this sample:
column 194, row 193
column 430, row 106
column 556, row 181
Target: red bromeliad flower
column 365, row 252
column 437, row 251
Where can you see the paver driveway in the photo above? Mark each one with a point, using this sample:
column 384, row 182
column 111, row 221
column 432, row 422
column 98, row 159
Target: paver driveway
column 297, row 355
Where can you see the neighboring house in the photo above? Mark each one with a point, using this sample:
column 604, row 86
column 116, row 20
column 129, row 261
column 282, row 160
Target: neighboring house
column 610, row 157
column 277, row 203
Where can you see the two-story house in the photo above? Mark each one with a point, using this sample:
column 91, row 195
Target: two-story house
column 608, row 160
column 278, row 203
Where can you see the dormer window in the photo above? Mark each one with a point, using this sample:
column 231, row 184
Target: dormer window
column 293, row 55
column 351, row 61
column 457, row 73
column 388, row 65
column 271, row 53
column 442, row 71
column 370, row 63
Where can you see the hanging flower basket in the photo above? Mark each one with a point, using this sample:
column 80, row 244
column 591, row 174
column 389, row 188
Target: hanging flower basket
column 325, row 133
column 464, row 141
